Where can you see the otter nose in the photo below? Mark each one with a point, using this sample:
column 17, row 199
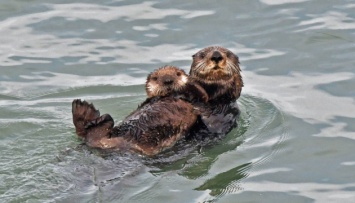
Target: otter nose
column 168, row 81
column 216, row 56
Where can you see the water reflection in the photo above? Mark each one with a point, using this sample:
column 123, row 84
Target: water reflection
column 297, row 89
column 57, row 32
column 324, row 192
column 222, row 183
column 330, row 20
column 278, row 2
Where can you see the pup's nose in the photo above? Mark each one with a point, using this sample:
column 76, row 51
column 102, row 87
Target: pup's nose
column 168, row 81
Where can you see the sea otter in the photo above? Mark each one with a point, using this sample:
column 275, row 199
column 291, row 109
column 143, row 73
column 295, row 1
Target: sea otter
column 157, row 124
column 217, row 70
column 165, row 80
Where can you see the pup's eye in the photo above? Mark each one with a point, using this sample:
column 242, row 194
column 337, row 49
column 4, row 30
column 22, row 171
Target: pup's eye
column 178, row 74
column 154, row 78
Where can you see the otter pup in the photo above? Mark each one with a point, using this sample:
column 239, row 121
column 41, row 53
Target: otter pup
column 165, row 80
column 217, row 70
column 157, row 124
column 170, row 80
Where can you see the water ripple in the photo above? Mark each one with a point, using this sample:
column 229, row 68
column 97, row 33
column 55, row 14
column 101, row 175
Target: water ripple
column 278, row 2
column 46, row 46
column 330, row 20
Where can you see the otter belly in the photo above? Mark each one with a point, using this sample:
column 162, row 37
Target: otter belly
column 156, row 125
column 215, row 119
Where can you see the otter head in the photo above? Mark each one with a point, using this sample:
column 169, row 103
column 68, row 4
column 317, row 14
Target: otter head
column 217, row 70
column 214, row 64
column 165, row 80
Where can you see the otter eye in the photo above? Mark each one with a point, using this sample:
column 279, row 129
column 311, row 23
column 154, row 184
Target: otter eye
column 154, row 78
column 202, row 55
column 178, row 74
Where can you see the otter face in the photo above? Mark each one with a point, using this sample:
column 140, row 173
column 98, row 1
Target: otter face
column 165, row 80
column 214, row 64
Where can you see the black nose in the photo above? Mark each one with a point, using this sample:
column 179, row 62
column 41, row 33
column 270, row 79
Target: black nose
column 216, row 56
column 168, row 81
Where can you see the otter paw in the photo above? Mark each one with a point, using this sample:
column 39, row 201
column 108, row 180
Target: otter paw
column 104, row 119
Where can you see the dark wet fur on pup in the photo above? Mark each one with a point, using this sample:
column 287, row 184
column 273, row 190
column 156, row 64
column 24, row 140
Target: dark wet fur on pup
column 150, row 129
column 158, row 123
column 173, row 81
column 89, row 125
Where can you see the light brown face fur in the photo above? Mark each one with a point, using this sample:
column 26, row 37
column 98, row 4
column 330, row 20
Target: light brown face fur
column 214, row 64
column 165, row 80
column 217, row 70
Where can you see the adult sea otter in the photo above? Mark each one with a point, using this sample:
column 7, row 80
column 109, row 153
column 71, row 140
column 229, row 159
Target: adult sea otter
column 216, row 69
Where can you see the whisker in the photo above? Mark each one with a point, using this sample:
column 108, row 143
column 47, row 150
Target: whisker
column 200, row 65
column 233, row 67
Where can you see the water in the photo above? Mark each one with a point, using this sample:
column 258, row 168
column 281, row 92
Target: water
column 296, row 135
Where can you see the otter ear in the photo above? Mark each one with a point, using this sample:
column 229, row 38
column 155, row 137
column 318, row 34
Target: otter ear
column 231, row 54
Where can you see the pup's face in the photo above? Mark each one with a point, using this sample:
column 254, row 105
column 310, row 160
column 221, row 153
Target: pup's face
column 165, row 80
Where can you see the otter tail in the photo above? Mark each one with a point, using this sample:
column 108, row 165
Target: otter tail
column 88, row 122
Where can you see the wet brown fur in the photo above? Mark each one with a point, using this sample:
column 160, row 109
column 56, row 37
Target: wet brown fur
column 216, row 69
column 220, row 78
column 170, row 80
column 165, row 80
column 157, row 124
